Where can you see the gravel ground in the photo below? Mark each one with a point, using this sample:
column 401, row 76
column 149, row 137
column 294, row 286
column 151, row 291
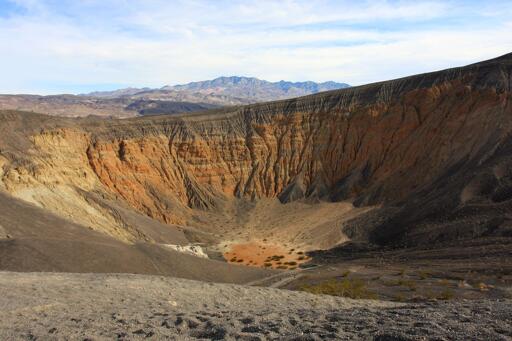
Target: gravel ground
column 56, row 306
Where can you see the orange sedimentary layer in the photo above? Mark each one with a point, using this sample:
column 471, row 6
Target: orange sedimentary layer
column 376, row 152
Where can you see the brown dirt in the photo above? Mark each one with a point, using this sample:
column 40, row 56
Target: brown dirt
column 261, row 254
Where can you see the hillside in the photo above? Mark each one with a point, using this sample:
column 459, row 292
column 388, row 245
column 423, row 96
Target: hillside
column 417, row 162
column 131, row 102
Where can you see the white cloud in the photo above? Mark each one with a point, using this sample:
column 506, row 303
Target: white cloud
column 156, row 42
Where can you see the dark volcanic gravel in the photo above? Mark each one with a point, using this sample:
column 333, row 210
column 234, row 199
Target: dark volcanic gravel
column 46, row 306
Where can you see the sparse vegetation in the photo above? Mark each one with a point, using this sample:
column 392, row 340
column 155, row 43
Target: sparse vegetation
column 401, row 282
column 445, row 295
column 444, row 283
column 399, row 297
column 424, row 275
column 352, row 288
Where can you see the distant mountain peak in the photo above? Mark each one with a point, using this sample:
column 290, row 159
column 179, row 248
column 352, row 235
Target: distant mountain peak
column 225, row 90
column 254, row 89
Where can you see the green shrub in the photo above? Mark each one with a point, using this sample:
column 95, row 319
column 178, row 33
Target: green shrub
column 401, row 282
column 406, row 283
column 425, row 275
column 352, row 288
column 446, row 295
column 400, row 298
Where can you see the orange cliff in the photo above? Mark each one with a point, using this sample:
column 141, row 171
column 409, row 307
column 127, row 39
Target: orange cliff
column 374, row 144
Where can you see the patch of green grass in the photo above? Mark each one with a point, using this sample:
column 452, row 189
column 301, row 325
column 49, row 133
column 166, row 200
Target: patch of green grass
column 352, row 288
column 345, row 274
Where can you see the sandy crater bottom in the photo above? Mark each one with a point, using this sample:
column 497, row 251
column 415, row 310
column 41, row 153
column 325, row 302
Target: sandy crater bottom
column 265, row 255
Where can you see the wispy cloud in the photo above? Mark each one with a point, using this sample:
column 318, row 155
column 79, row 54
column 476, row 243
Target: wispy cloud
column 49, row 46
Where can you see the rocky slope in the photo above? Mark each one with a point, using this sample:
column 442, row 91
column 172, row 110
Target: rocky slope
column 131, row 307
column 434, row 147
column 32, row 239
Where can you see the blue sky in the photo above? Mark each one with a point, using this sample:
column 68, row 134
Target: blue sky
column 61, row 46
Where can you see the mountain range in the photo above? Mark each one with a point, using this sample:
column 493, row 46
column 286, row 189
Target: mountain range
column 233, row 90
column 197, row 96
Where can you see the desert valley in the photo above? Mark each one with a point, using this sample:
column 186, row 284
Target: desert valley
column 380, row 212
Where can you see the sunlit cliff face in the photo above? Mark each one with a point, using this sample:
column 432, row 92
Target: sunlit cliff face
column 371, row 145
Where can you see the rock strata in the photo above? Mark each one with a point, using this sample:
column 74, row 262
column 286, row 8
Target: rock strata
column 395, row 143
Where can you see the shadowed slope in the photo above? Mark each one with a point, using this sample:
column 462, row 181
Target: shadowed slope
column 31, row 239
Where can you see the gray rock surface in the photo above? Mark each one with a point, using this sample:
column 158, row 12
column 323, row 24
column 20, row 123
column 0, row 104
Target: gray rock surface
column 54, row 306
